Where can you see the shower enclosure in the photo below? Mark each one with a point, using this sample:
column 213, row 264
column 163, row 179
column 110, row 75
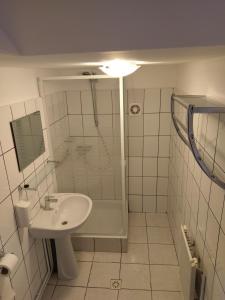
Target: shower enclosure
column 88, row 147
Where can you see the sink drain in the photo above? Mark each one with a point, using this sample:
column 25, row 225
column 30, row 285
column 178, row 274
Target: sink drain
column 64, row 223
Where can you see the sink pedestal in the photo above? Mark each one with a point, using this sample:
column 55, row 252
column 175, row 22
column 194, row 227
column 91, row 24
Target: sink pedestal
column 66, row 260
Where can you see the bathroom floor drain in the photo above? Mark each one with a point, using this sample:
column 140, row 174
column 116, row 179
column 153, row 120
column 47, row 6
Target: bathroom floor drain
column 64, row 223
column 116, row 284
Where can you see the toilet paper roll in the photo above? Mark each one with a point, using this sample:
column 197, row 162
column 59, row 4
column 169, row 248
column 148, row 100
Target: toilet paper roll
column 6, row 291
column 23, row 213
column 8, row 263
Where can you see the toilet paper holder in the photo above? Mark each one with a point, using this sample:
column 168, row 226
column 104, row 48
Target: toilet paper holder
column 3, row 270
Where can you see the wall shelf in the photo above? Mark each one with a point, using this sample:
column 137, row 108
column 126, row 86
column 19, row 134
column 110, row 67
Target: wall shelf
column 193, row 104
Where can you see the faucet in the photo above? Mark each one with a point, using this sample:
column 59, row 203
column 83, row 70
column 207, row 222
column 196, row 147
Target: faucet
column 48, row 201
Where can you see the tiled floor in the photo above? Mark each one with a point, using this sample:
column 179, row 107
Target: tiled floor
column 149, row 271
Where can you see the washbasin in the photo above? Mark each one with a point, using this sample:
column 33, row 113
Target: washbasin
column 69, row 212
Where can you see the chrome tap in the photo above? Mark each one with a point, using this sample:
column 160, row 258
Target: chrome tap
column 48, row 201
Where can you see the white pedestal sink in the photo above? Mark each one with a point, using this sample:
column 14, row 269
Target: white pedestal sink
column 70, row 211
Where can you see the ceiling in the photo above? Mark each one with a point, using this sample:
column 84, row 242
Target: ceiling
column 142, row 57
column 82, row 26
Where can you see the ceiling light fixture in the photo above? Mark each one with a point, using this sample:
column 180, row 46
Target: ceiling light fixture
column 118, row 68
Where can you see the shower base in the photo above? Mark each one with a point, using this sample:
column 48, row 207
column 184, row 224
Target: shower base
column 104, row 230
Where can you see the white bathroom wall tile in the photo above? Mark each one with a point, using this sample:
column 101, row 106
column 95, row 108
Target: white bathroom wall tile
column 86, row 101
column 75, row 125
column 15, row 177
column 104, row 102
column 5, row 133
column 151, row 146
column 73, row 102
column 135, row 125
column 149, row 203
column 218, row 292
column 4, row 186
column 116, row 101
column 163, row 167
column 212, row 234
column 135, row 146
column 151, row 124
column 20, row 282
column 205, row 186
column 108, row 188
column 211, row 133
column 223, row 220
column 135, row 185
column 135, row 203
column 162, row 186
column 165, row 121
column 18, row 110
column 220, row 262
column 208, row 269
column 31, row 264
column 152, row 101
column 166, row 99
column 216, row 201
column 13, row 246
column 35, row 285
column 149, row 166
column 164, row 146
column 7, row 219
column 202, row 215
column 30, row 106
column 149, row 185
column 135, row 166
column 136, row 95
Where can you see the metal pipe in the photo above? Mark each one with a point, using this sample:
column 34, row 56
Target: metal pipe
column 93, row 94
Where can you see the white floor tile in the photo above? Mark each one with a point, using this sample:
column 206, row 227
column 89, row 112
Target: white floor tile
column 137, row 235
column 107, row 257
column 134, row 295
column 69, row 293
column 84, row 256
column 53, row 279
column 102, row 273
column 162, row 254
column 167, row 296
column 48, row 292
column 165, row 278
column 137, row 219
column 82, row 278
column 137, row 253
column 158, row 235
column 158, row 220
column 101, row 294
column 135, row 276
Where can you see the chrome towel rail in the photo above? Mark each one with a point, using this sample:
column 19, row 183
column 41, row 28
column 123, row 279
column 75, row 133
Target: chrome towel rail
column 195, row 105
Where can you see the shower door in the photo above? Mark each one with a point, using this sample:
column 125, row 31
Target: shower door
column 91, row 158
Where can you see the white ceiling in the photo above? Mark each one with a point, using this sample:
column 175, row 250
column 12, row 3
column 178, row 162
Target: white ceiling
column 83, row 26
column 156, row 56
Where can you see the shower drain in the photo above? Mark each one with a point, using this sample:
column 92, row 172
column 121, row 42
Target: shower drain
column 116, row 284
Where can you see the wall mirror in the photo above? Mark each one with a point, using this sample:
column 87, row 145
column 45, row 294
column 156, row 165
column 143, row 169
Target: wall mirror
column 28, row 138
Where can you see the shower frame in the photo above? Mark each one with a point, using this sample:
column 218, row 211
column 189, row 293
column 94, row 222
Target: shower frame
column 40, row 82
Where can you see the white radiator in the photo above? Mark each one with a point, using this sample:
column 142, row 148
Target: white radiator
column 192, row 279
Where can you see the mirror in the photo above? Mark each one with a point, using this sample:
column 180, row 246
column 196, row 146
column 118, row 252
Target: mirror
column 28, row 138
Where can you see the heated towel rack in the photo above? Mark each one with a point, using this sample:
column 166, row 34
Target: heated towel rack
column 193, row 104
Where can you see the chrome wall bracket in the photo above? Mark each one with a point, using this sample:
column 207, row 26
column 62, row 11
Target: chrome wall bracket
column 195, row 105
